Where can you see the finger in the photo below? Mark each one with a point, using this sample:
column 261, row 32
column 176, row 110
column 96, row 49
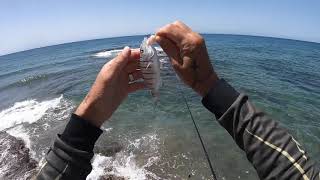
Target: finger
column 168, row 46
column 122, row 59
column 135, row 76
column 182, row 25
column 187, row 63
column 170, row 49
column 151, row 40
column 135, row 54
column 135, row 50
column 173, row 32
column 135, row 86
column 132, row 66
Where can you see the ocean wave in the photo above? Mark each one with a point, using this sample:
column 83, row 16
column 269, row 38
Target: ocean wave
column 21, row 133
column 28, row 111
column 26, row 81
column 43, row 115
column 14, row 72
column 29, row 79
column 107, row 53
column 124, row 165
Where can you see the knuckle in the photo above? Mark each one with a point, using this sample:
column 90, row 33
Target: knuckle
column 171, row 26
column 197, row 39
column 175, row 65
column 177, row 22
column 165, row 29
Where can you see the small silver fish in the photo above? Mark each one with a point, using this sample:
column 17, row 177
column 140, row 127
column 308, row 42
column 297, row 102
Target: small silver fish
column 150, row 67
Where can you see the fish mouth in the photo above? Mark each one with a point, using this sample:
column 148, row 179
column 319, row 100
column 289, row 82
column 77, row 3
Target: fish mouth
column 146, row 50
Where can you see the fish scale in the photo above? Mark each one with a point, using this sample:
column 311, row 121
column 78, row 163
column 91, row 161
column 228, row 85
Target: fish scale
column 150, row 68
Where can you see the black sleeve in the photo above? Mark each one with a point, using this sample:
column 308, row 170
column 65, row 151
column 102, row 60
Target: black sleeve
column 273, row 152
column 72, row 151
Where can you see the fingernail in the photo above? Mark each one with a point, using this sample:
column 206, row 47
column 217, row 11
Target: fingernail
column 158, row 38
column 159, row 31
column 151, row 40
column 126, row 50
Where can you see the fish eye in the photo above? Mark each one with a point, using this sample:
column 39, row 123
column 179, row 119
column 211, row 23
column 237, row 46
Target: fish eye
column 141, row 50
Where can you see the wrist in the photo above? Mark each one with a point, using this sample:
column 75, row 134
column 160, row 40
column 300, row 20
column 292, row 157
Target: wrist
column 91, row 113
column 203, row 87
column 80, row 133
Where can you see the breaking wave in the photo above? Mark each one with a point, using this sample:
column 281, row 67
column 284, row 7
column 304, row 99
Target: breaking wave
column 28, row 111
column 15, row 119
column 32, row 78
column 28, row 80
column 21, row 133
column 108, row 53
column 17, row 145
column 124, row 165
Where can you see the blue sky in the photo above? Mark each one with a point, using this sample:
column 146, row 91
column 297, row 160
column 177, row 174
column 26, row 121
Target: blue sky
column 27, row 24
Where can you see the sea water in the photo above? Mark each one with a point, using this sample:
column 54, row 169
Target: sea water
column 40, row 88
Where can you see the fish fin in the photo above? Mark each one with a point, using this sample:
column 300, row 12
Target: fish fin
column 148, row 65
column 155, row 96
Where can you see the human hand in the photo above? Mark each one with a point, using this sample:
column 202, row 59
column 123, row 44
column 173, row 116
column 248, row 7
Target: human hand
column 111, row 87
column 189, row 56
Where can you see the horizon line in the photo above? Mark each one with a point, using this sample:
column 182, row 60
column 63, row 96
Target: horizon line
column 203, row 33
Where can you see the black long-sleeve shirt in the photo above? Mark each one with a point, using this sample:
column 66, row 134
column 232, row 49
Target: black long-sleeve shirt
column 273, row 152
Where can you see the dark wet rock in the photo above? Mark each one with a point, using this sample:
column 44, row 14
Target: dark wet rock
column 15, row 160
column 111, row 177
column 109, row 149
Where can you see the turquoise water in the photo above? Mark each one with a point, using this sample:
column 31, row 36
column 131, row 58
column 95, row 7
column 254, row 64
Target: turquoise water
column 39, row 88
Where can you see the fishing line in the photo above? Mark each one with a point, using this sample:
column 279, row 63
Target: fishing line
column 196, row 127
column 197, row 130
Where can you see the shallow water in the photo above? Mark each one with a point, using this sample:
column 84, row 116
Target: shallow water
column 40, row 88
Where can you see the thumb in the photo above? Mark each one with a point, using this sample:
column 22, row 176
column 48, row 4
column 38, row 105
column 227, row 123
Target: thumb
column 170, row 48
column 123, row 57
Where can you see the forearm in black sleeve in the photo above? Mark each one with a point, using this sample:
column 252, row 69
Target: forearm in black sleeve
column 273, row 152
column 71, row 153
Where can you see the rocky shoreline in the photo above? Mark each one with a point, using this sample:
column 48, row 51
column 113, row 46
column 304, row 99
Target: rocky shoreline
column 15, row 160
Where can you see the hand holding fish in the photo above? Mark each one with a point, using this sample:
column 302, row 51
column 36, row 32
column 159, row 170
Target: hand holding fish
column 189, row 56
column 111, row 87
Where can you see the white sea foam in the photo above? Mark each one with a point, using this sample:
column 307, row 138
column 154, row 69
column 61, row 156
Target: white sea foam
column 6, row 145
column 21, row 133
column 108, row 54
column 28, row 111
column 108, row 129
column 14, row 163
column 124, row 164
